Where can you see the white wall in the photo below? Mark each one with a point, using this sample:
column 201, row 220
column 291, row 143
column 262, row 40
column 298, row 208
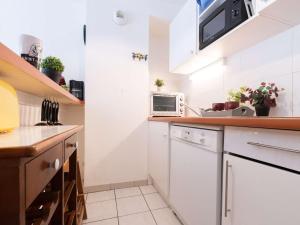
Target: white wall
column 159, row 56
column 274, row 60
column 117, row 90
column 58, row 23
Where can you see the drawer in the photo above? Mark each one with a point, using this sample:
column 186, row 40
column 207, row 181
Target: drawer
column 41, row 170
column 71, row 144
column 278, row 147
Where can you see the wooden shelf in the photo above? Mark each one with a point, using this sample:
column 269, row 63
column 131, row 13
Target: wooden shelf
column 68, row 190
column 24, row 77
column 69, row 217
column 278, row 16
column 80, row 209
column 45, row 220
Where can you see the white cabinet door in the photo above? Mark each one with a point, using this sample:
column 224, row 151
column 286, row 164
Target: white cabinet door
column 158, row 156
column 257, row 194
column 183, row 35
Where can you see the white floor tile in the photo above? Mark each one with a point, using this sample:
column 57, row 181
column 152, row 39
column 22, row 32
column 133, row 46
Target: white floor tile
column 154, row 201
column 137, row 219
column 100, row 196
column 131, row 205
column 113, row 221
column 148, row 189
column 101, row 210
column 165, row 217
column 127, row 192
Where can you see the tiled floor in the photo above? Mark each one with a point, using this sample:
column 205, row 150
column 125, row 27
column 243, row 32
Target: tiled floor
column 129, row 206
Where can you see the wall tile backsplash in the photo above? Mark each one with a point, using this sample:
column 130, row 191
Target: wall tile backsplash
column 274, row 60
column 30, row 109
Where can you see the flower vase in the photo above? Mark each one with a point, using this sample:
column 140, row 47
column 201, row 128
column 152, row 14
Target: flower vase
column 262, row 110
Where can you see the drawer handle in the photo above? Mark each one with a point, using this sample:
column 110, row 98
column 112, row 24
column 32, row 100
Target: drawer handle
column 273, row 147
column 55, row 165
column 74, row 145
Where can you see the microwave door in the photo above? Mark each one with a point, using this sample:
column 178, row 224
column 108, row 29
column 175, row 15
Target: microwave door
column 214, row 26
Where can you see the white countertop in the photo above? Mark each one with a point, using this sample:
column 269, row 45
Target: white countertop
column 29, row 136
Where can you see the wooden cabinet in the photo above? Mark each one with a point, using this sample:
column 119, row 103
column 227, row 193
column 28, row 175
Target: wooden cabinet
column 158, row 156
column 40, row 171
column 184, row 35
column 36, row 187
column 71, row 144
column 254, row 193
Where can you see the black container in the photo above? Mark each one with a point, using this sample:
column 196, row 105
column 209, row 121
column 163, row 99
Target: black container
column 262, row 110
column 77, row 89
column 52, row 74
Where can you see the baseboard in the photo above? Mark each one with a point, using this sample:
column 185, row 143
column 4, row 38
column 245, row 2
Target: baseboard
column 107, row 187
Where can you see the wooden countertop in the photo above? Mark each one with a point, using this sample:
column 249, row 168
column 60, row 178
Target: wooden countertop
column 284, row 123
column 31, row 141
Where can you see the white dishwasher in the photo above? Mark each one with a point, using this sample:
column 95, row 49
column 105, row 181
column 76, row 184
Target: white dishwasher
column 195, row 173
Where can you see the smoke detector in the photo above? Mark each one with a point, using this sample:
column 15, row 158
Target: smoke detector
column 119, row 17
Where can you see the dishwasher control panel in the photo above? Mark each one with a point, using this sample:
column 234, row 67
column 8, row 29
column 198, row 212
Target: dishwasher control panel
column 209, row 139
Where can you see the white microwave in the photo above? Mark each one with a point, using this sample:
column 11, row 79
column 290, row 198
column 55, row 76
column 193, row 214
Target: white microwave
column 167, row 104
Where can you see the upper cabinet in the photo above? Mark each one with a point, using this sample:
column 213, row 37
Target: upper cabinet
column 183, row 35
column 271, row 17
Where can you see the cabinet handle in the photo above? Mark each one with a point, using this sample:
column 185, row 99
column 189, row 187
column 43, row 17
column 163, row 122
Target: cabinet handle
column 74, row 145
column 227, row 210
column 55, row 165
column 273, row 147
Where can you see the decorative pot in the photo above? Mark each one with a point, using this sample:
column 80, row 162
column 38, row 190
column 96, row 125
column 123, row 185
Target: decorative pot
column 231, row 105
column 262, row 110
column 158, row 89
column 52, row 74
column 218, row 106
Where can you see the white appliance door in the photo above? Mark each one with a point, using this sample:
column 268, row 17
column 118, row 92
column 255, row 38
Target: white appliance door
column 258, row 194
column 195, row 187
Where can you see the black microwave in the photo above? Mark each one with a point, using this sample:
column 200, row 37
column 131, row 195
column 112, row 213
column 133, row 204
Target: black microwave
column 226, row 17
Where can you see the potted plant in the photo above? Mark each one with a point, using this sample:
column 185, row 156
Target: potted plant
column 234, row 98
column 53, row 68
column 263, row 98
column 159, row 83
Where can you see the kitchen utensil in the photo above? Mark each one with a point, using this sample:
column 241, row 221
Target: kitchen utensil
column 43, row 114
column 56, row 112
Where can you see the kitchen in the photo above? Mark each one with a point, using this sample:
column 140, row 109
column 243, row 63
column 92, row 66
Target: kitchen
column 158, row 138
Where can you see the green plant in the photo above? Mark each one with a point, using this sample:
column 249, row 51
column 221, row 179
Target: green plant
column 236, row 96
column 53, row 63
column 264, row 95
column 159, row 83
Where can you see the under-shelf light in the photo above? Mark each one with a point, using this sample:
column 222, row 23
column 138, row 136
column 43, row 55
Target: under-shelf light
column 211, row 70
